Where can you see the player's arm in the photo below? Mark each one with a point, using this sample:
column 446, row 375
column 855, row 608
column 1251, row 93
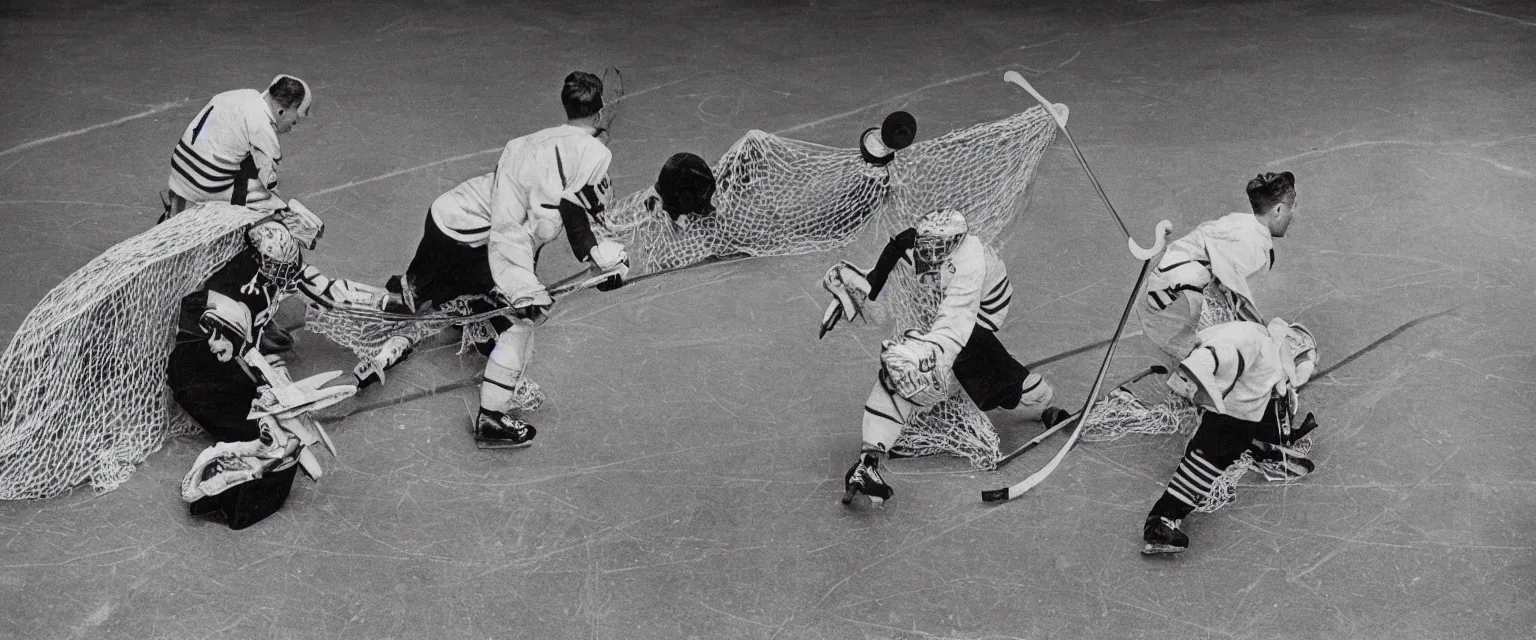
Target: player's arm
column 582, row 201
column 894, row 252
column 266, row 154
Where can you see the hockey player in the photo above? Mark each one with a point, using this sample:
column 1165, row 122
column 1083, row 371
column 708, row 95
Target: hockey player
column 915, row 371
column 219, row 322
column 545, row 181
column 229, row 152
column 1244, row 375
column 451, row 261
column 1230, row 251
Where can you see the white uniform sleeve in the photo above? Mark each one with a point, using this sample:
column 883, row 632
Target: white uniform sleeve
column 265, row 150
column 964, row 273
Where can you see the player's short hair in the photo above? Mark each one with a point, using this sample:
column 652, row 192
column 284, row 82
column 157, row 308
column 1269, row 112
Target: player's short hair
column 1268, row 189
column 288, row 92
column 582, row 95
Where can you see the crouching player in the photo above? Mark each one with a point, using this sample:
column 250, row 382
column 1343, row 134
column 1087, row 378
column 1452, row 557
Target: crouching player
column 452, row 262
column 242, row 399
column 1244, row 375
column 916, row 370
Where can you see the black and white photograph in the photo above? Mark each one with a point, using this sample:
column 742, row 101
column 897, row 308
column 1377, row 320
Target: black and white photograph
column 768, row 320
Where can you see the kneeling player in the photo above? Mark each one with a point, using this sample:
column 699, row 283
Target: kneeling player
column 210, row 372
column 1244, row 375
column 916, row 370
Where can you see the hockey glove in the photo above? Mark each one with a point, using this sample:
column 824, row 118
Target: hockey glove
column 531, row 307
column 849, row 286
column 912, row 367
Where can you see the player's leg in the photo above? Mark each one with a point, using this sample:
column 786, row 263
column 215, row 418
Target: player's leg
column 442, row 269
column 506, row 394
column 885, row 414
column 993, row 378
column 1217, row 443
column 1274, row 447
column 216, row 394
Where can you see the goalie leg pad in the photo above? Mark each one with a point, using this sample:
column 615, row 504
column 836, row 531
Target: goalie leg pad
column 885, row 414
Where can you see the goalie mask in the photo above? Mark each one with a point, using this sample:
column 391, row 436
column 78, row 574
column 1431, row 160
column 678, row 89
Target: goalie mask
column 686, row 186
column 938, row 234
column 281, row 261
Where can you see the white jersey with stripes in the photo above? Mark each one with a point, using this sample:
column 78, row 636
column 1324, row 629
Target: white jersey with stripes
column 233, row 126
column 1239, row 365
column 534, row 174
column 976, row 294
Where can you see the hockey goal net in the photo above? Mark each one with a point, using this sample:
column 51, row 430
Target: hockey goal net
column 777, row 196
column 83, row 394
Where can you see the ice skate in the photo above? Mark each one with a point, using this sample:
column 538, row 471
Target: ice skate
column 496, row 430
column 864, row 477
column 1162, row 535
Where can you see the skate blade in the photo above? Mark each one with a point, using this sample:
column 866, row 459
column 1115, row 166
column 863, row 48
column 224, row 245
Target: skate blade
column 502, row 444
column 1159, row 549
column 848, row 496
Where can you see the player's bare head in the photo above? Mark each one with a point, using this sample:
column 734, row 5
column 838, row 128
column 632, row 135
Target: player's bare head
column 582, row 95
column 1269, row 189
column 938, row 234
column 1273, row 197
column 291, row 98
column 686, row 186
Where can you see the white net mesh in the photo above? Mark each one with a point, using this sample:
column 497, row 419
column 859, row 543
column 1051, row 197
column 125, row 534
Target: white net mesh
column 83, row 395
column 1122, row 413
column 776, row 196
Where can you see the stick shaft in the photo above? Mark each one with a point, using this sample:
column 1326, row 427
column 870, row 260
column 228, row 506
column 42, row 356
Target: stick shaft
column 1015, row 78
column 1064, row 423
column 1093, row 396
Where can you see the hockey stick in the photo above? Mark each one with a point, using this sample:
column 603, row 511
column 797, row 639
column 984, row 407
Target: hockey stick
column 1061, row 123
column 1154, row 369
column 613, row 84
column 1146, row 256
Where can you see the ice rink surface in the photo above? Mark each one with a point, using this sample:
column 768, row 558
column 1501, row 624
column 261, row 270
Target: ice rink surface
column 686, row 478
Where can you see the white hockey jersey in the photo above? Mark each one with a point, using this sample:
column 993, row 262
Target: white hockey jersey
column 464, row 212
column 233, row 126
column 976, row 293
column 534, row 174
column 1239, row 366
column 1232, row 249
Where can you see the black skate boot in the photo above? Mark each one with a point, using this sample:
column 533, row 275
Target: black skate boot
column 1307, row 425
column 864, row 477
column 1162, row 535
column 496, row 430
